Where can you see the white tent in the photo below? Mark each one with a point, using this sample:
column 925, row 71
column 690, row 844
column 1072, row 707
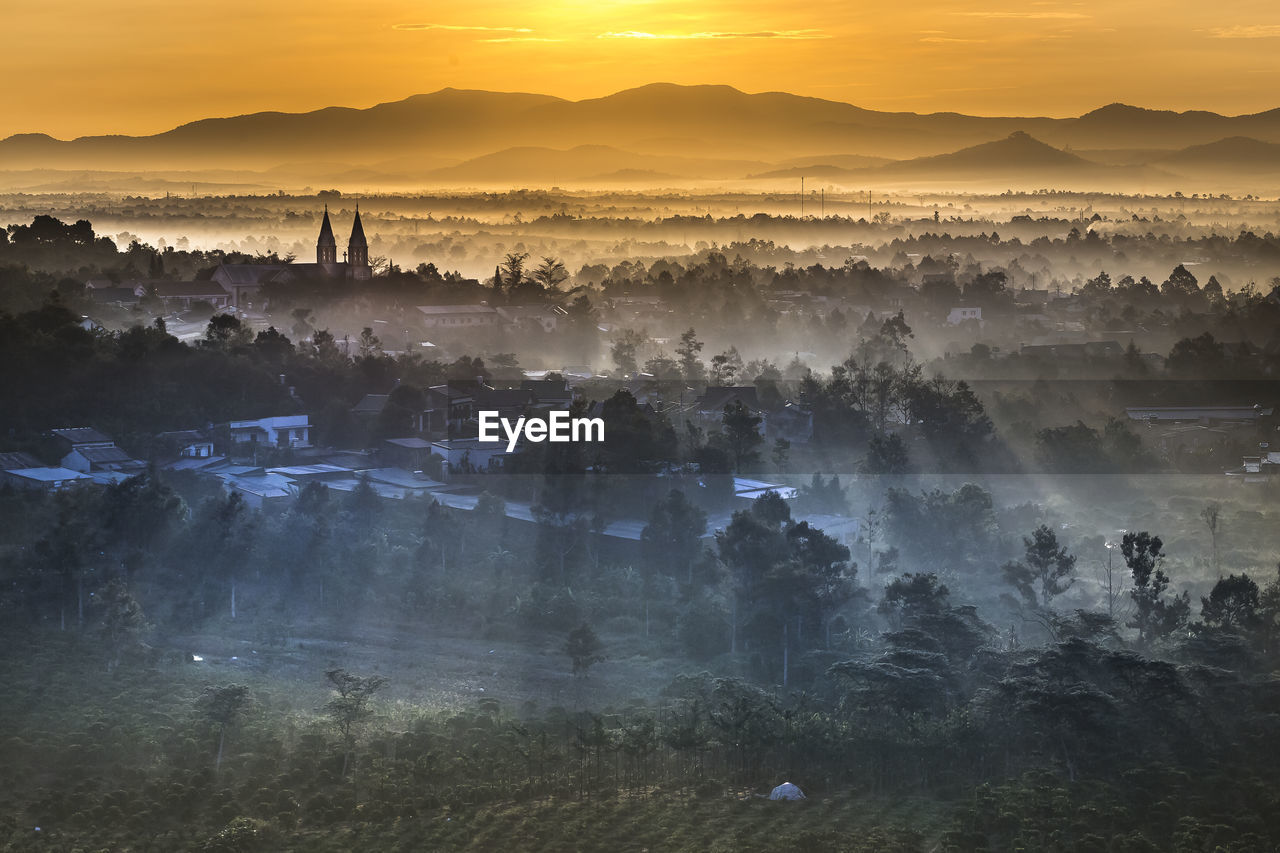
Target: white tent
column 787, row 791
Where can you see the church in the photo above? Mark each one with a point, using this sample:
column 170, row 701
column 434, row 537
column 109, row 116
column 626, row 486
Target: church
column 243, row 281
column 355, row 261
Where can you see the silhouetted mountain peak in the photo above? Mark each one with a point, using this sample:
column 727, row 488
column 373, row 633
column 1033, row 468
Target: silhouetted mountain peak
column 1117, row 110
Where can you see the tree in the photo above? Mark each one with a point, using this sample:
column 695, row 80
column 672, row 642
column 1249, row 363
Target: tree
column 624, row 351
column 1181, row 283
column 351, row 706
column 511, row 271
column 886, row 454
column 1100, row 285
column 225, row 331
column 687, row 353
column 911, row 595
column 222, row 707
column 370, row 344
column 1201, row 355
column 1213, row 291
column 583, row 648
column 1045, row 572
column 781, row 453
column 272, row 345
column 1153, row 617
column 823, row 496
column 1233, row 604
column 725, row 367
column 551, row 273
column 673, row 535
column 742, row 433
column 121, row 623
column 1076, row 448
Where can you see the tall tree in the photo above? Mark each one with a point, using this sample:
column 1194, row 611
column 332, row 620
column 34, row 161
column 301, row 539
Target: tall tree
column 742, row 434
column 687, row 353
column 1153, row 616
column 1045, row 571
column 350, row 707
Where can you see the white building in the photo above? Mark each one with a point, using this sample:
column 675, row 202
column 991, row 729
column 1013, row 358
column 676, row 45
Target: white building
column 282, row 431
column 459, row 317
column 962, row 315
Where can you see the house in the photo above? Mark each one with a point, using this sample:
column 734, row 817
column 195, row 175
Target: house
column 106, row 292
column 459, row 317
column 319, row 472
column 411, row 454
column 450, row 406
column 88, row 451
column 577, row 371
column 96, row 459
column 507, row 402
column 470, row 454
column 544, row 317
column 1177, row 429
column 282, row 431
column 77, row 437
column 188, row 443
column 370, row 406
column 14, row 460
column 792, row 422
column 258, row 487
column 963, row 315
column 747, row 491
column 1258, row 469
column 549, row 393
column 47, row 479
column 181, row 295
column 1199, row 414
column 709, row 408
column 1073, row 351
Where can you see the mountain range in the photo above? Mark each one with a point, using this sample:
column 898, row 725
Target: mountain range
column 661, row 134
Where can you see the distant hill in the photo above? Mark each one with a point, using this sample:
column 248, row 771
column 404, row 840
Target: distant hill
column 711, row 131
column 1236, row 153
column 1018, row 152
column 1019, row 160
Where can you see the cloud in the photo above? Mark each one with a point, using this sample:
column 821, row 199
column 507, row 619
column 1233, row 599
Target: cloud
column 1252, row 31
column 763, row 34
column 459, row 28
column 1027, row 16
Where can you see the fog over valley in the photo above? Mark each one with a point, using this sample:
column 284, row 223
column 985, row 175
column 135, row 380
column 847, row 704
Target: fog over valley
column 680, row 469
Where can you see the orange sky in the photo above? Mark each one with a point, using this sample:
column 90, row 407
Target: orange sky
column 141, row 66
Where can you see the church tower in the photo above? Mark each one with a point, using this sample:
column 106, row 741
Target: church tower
column 358, row 251
column 326, row 246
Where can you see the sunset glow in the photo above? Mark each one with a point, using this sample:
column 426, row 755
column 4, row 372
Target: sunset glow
column 142, row 66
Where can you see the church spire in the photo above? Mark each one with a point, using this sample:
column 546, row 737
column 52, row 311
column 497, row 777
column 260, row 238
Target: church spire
column 326, row 246
column 357, row 232
column 358, row 250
